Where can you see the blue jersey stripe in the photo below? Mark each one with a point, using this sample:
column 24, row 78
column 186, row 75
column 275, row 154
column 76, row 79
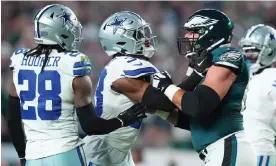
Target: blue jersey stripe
column 81, row 72
column 99, row 95
column 260, row 160
column 267, row 161
column 80, row 156
column 146, row 70
column 82, row 64
column 37, row 21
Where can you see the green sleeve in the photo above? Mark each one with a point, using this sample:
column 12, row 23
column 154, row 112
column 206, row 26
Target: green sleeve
column 228, row 57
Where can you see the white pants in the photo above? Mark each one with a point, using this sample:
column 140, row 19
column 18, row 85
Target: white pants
column 99, row 153
column 232, row 150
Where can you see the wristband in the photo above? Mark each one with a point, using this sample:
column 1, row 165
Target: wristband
column 170, row 91
column 162, row 114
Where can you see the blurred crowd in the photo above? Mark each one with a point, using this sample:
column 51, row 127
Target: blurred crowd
column 166, row 19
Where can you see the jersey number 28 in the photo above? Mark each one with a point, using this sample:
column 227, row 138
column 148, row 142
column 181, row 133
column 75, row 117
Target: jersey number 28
column 47, row 85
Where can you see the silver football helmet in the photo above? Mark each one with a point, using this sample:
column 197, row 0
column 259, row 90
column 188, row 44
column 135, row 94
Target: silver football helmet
column 127, row 33
column 58, row 24
column 259, row 44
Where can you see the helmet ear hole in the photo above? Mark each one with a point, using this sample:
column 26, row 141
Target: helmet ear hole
column 121, row 43
column 64, row 36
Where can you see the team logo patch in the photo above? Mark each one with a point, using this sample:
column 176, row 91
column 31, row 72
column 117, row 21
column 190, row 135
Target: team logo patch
column 231, row 55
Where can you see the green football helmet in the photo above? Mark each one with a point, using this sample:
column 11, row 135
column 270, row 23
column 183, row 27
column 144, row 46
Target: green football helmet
column 212, row 28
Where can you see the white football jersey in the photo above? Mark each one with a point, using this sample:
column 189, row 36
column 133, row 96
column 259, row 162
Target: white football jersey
column 260, row 112
column 46, row 98
column 109, row 104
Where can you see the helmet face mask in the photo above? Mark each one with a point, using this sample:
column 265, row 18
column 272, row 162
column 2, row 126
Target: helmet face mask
column 127, row 33
column 187, row 45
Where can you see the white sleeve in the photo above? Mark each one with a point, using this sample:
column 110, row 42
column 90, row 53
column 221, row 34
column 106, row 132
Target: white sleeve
column 17, row 57
column 138, row 68
column 76, row 65
column 128, row 67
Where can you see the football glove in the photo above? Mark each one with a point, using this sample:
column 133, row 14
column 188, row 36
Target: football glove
column 134, row 113
column 161, row 81
column 200, row 64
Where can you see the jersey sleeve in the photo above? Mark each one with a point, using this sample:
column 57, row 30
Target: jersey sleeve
column 77, row 64
column 16, row 57
column 228, row 57
column 137, row 68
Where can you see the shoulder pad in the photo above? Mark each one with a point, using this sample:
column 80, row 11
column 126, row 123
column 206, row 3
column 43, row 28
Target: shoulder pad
column 77, row 65
column 228, row 57
column 135, row 68
column 14, row 58
column 21, row 51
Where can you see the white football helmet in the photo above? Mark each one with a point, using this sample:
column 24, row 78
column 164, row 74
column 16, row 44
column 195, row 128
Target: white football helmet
column 127, row 33
column 260, row 43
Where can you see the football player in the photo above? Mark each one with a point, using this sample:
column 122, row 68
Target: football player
column 259, row 46
column 125, row 80
column 211, row 111
column 49, row 83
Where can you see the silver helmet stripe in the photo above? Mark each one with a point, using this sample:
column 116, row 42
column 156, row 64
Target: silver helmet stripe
column 253, row 30
column 38, row 17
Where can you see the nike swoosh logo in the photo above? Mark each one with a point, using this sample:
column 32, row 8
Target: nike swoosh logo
column 200, row 63
column 139, row 64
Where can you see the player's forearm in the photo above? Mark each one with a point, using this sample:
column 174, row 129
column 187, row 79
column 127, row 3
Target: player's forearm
column 155, row 99
column 93, row 125
column 103, row 126
column 190, row 83
column 15, row 126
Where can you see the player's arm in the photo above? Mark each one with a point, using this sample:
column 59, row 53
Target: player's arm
column 207, row 96
column 141, row 91
column 177, row 117
column 15, row 128
column 90, row 123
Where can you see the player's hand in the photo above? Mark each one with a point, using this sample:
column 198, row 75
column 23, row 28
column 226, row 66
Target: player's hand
column 201, row 63
column 134, row 113
column 22, row 161
column 161, row 80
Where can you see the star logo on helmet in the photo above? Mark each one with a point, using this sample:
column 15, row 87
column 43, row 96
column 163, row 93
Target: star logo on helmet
column 65, row 17
column 116, row 24
column 272, row 37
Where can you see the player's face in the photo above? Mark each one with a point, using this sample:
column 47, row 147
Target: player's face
column 191, row 38
column 252, row 55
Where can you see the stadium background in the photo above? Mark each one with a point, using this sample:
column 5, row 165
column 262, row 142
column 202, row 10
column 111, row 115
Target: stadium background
column 159, row 143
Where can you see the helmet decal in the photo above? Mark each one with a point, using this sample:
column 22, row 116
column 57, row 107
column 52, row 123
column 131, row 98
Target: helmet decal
column 117, row 23
column 65, row 17
column 200, row 21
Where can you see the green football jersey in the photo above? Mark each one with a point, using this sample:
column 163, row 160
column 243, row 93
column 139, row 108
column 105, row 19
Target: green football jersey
column 226, row 118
